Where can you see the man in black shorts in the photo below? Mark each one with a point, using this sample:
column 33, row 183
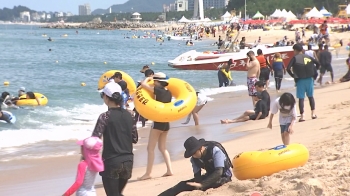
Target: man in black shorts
column 265, row 68
column 325, row 61
column 260, row 111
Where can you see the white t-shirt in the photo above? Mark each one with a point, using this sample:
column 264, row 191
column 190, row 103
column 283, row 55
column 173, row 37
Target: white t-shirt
column 286, row 115
column 310, row 53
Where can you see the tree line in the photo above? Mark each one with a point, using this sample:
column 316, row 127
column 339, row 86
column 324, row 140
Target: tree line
column 267, row 7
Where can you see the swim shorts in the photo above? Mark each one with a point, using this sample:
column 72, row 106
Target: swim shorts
column 305, row 85
column 253, row 117
column 161, row 126
column 264, row 74
column 251, row 85
column 284, row 128
column 325, row 68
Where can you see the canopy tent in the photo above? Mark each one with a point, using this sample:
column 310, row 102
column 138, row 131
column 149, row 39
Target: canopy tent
column 348, row 9
column 226, row 17
column 277, row 14
column 314, row 13
column 234, row 19
column 258, row 15
column 284, row 13
column 184, row 20
column 325, row 12
column 290, row 15
column 206, row 20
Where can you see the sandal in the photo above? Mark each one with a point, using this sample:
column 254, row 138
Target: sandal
column 301, row 120
column 314, row 117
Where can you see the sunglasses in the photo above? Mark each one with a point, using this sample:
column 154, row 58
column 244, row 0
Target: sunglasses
column 102, row 95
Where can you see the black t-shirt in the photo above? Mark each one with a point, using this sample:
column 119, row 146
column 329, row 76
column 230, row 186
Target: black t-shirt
column 116, row 126
column 260, row 106
column 162, row 95
column 266, row 98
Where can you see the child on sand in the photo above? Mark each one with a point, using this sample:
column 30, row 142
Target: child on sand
column 88, row 168
column 260, row 111
column 288, row 113
column 201, row 101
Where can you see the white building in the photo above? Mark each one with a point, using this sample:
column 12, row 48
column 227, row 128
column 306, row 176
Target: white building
column 181, row 5
column 48, row 16
column 136, row 17
column 69, row 14
column 84, row 9
column 42, row 16
column 25, row 16
column 35, row 16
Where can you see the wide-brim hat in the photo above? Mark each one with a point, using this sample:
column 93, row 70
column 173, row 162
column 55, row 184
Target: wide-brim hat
column 191, row 145
column 160, row 76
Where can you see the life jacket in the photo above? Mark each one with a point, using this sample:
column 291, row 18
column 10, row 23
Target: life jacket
column 207, row 162
column 262, row 61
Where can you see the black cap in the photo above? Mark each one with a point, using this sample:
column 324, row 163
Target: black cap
column 298, row 47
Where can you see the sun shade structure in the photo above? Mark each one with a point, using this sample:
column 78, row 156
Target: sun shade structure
column 325, row 12
column 258, row 15
column 226, row 17
column 314, row 13
column 184, row 20
column 277, row 14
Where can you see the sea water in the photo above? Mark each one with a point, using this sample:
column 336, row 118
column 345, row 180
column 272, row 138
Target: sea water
column 26, row 61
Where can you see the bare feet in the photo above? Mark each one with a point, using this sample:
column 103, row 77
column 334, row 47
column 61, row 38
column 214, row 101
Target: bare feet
column 144, row 177
column 167, row 174
column 224, row 121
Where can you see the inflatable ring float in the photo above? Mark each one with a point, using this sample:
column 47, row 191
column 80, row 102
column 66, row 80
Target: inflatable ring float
column 104, row 79
column 12, row 117
column 336, row 46
column 32, row 102
column 184, row 103
column 256, row 164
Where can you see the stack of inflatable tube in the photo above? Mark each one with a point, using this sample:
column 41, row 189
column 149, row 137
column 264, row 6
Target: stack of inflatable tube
column 104, row 79
column 12, row 117
column 151, row 109
column 32, row 102
column 256, row 164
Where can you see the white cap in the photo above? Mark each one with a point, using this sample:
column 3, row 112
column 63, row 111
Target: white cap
column 111, row 88
column 22, row 89
column 160, row 76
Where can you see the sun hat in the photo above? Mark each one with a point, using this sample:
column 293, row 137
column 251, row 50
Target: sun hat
column 111, row 88
column 22, row 89
column 160, row 76
column 91, row 152
column 192, row 145
column 144, row 68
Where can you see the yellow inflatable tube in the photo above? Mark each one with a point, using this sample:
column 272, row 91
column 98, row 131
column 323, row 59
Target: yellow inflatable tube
column 106, row 76
column 256, row 164
column 32, row 102
column 184, row 103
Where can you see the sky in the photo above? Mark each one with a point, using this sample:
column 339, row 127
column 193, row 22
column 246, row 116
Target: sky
column 59, row 5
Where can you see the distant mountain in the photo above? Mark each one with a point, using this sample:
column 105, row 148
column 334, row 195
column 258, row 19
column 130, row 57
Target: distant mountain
column 137, row 6
column 8, row 14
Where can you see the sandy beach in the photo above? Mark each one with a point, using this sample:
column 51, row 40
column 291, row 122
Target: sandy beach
column 326, row 173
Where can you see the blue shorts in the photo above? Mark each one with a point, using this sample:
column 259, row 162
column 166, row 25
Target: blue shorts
column 305, row 85
column 284, row 128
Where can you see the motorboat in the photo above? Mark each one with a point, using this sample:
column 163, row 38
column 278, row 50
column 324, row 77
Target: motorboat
column 212, row 60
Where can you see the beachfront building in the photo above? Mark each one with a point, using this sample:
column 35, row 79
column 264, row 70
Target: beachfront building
column 136, row 17
column 84, row 10
column 181, row 5
column 35, row 16
column 208, row 4
column 25, row 16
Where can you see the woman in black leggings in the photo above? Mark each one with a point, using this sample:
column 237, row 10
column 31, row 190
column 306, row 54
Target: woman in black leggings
column 279, row 70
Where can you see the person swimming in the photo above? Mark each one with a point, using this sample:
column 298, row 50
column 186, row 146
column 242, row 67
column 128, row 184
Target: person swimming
column 6, row 100
column 50, row 40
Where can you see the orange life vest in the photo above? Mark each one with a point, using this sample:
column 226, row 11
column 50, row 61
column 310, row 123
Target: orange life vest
column 261, row 60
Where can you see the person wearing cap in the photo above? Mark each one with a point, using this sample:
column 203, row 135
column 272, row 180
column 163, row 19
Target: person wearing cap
column 210, row 156
column 118, row 129
column 159, row 131
column 88, row 168
column 301, row 68
column 144, row 68
column 260, row 111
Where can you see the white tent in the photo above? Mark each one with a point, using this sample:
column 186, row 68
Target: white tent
column 290, row 15
column 284, row 13
column 325, row 12
column 348, row 10
column 184, row 20
column 277, row 13
column 314, row 13
column 226, row 17
column 234, row 20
